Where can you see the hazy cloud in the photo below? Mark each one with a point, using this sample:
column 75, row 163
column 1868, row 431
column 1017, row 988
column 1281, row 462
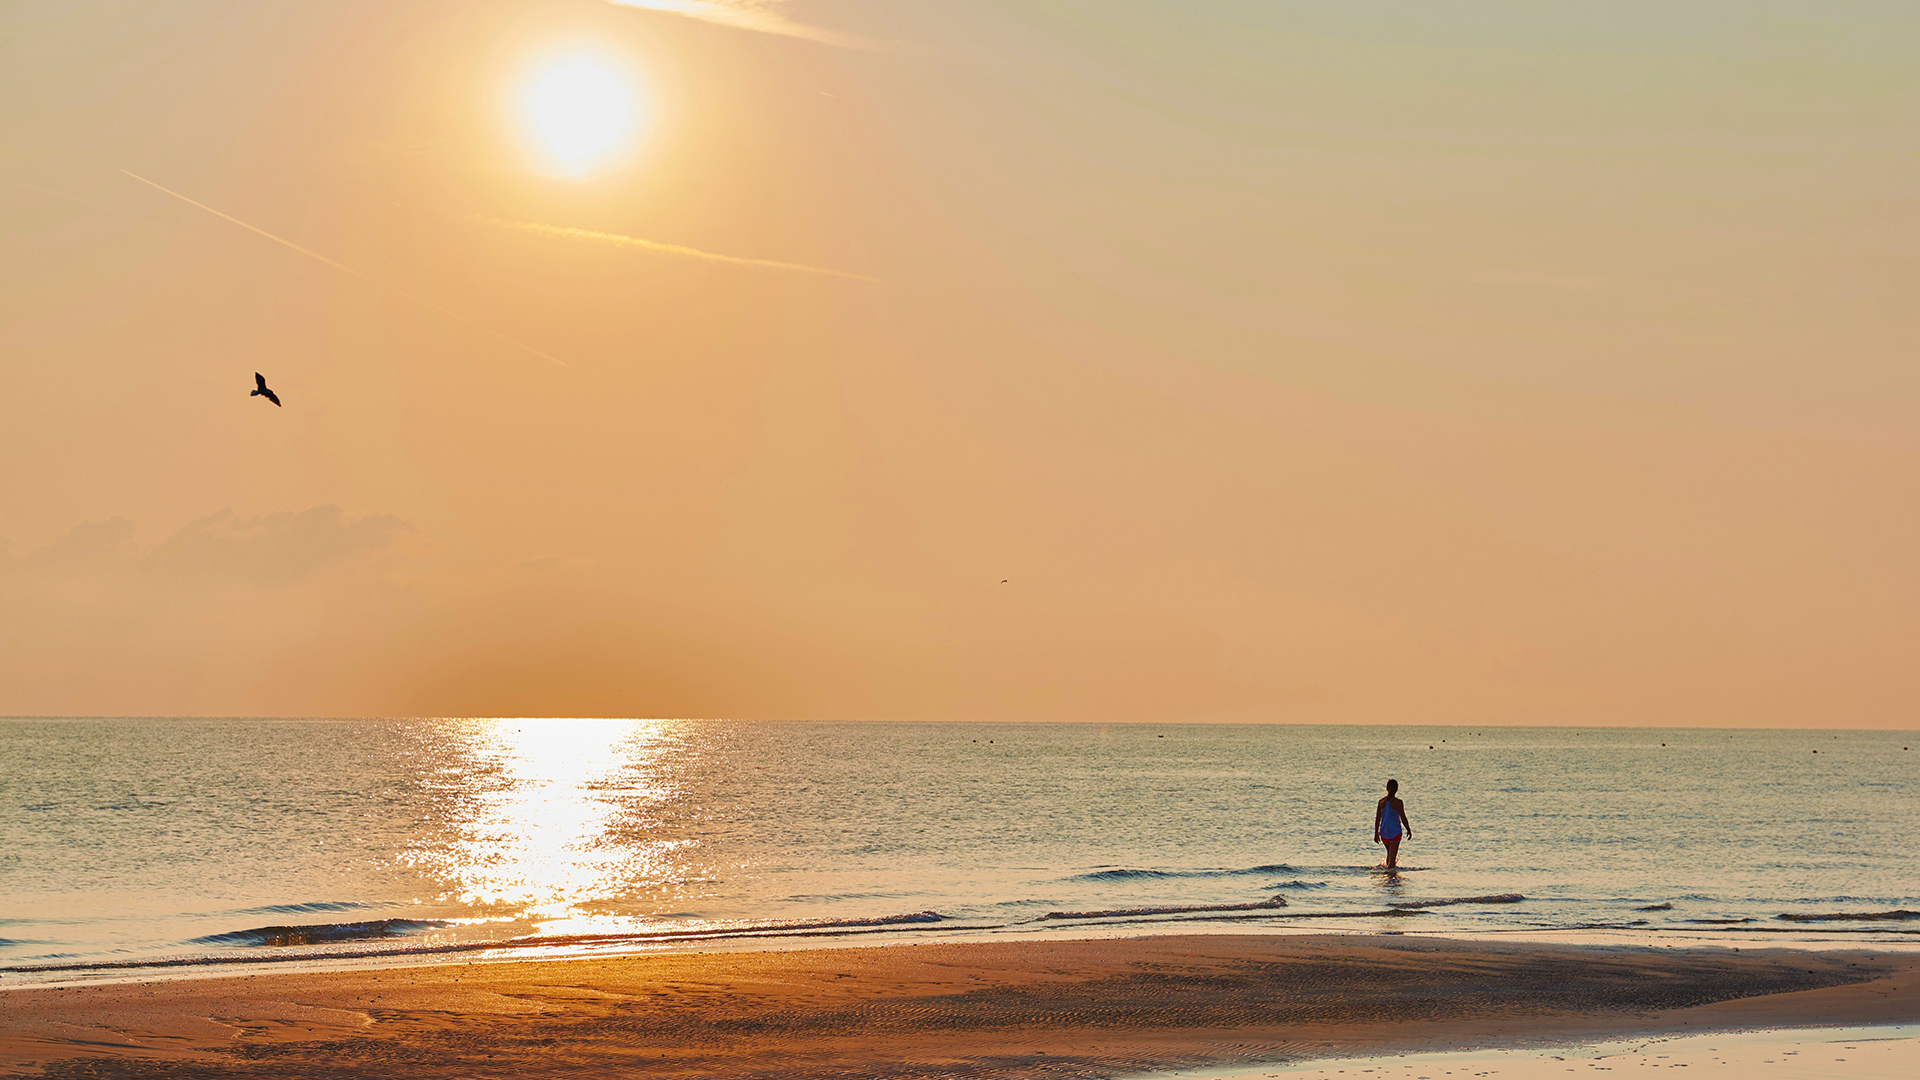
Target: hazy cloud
column 282, row 547
column 275, row 547
column 761, row 15
column 98, row 621
column 90, row 544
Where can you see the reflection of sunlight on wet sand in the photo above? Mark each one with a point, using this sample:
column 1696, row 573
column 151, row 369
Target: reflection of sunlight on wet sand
column 538, row 842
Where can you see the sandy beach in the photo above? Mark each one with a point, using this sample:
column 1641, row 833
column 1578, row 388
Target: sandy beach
column 1090, row 1008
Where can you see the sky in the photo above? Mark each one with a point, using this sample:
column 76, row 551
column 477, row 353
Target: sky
column 1545, row 362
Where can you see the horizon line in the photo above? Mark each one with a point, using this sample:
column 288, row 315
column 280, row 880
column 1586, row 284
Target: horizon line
column 912, row 720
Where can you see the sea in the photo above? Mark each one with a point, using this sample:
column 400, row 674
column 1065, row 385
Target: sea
column 156, row 847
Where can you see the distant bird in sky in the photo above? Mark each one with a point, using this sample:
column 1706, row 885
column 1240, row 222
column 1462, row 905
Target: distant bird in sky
column 260, row 389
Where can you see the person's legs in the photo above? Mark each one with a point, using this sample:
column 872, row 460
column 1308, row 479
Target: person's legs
column 1393, row 852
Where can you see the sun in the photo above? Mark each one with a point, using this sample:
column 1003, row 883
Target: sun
column 579, row 111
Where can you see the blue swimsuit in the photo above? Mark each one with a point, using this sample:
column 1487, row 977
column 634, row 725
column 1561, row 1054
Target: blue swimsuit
column 1389, row 822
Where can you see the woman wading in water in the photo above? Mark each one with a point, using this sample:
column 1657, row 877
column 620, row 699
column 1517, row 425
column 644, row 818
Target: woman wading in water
column 1390, row 824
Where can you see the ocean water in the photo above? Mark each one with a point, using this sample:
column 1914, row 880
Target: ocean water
column 157, row 846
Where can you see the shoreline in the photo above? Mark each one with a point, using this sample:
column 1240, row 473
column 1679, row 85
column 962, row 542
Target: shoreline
column 617, row 946
column 990, row 1008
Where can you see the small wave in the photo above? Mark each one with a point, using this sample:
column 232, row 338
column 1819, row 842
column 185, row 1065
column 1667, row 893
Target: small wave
column 880, row 920
column 1656, row 907
column 1017, row 906
column 321, row 933
column 303, row 909
column 1898, row 915
column 1116, row 913
column 1717, row 922
column 1501, row 898
column 1127, row 874
column 1123, row 875
column 1296, row 885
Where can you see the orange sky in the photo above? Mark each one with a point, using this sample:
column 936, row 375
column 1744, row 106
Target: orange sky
column 1545, row 362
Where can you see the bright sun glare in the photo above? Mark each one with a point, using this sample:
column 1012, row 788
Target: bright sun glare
column 579, row 111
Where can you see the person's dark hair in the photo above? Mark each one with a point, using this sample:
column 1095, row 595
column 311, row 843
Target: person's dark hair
column 1393, row 786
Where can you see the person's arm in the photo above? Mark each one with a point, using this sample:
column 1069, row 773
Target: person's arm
column 1405, row 824
column 1378, row 809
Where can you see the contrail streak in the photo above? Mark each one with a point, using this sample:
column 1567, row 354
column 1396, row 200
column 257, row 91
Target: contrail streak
column 618, row 240
column 345, row 269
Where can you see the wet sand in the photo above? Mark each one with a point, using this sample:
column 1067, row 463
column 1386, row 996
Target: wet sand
column 1012, row 1009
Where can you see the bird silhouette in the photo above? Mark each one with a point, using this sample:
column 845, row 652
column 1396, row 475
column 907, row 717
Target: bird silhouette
column 260, row 389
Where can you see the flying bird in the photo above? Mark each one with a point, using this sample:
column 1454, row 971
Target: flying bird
column 260, row 389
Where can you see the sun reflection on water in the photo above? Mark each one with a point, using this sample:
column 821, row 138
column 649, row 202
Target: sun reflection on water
column 540, row 836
